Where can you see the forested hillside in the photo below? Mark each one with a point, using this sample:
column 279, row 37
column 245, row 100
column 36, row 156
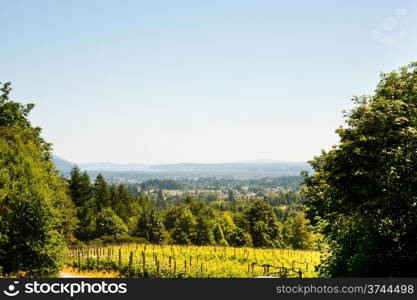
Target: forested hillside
column 115, row 213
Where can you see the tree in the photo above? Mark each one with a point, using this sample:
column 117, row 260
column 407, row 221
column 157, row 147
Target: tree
column 204, row 231
column 32, row 225
column 109, row 224
column 80, row 187
column 81, row 192
column 160, row 201
column 240, row 238
column 101, row 193
column 122, row 201
column 232, row 199
column 264, row 226
column 297, row 234
column 36, row 215
column 15, row 114
column 183, row 231
column 150, row 226
column 363, row 192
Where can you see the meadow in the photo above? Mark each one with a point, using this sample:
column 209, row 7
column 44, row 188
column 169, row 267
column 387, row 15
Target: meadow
column 175, row 261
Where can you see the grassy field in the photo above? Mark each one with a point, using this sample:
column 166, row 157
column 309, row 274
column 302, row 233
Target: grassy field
column 173, row 261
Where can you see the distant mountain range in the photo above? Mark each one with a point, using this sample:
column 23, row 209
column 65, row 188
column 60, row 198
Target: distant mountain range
column 244, row 169
column 65, row 166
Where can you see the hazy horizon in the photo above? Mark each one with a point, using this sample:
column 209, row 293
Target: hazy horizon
column 179, row 162
column 195, row 81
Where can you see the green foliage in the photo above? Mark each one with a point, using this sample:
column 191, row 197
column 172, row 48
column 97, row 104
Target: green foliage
column 102, row 196
column 240, row 238
column 296, row 233
column 109, row 224
column 160, row 201
column 184, row 229
column 33, row 223
column 80, row 187
column 265, row 229
column 36, row 214
column 363, row 192
column 150, row 226
column 13, row 113
column 167, row 184
column 121, row 201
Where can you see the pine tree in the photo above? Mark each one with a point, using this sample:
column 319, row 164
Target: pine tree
column 101, row 193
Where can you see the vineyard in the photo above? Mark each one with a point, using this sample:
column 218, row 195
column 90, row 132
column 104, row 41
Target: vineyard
column 172, row 261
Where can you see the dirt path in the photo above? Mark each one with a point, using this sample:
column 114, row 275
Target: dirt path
column 69, row 275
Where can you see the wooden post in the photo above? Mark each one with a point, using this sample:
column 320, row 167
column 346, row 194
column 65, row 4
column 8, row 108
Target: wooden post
column 143, row 263
column 131, row 264
column 79, row 260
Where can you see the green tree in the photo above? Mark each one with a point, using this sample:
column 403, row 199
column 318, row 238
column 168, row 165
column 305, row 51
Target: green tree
column 36, row 215
column 109, row 224
column 150, row 226
column 363, row 192
column 204, row 231
column 32, row 224
column 102, row 196
column 160, row 201
column 15, row 114
column 122, row 202
column 184, row 229
column 265, row 229
column 297, row 234
column 80, row 187
column 240, row 238
column 81, row 192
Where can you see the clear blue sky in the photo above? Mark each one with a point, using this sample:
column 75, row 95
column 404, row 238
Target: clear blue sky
column 198, row 81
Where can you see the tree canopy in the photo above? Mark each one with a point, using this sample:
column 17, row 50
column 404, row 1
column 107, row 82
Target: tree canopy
column 363, row 192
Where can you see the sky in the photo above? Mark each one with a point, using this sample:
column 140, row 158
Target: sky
column 198, row 81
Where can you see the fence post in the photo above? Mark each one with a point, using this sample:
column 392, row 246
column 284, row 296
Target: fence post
column 131, row 264
column 143, row 263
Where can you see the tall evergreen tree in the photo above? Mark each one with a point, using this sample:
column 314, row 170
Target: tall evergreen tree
column 101, row 193
column 80, row 187
column 160, row 201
